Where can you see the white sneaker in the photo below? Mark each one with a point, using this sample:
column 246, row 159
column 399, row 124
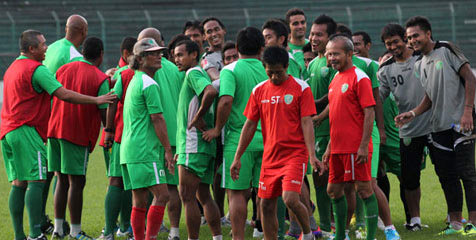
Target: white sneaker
column 257, row 234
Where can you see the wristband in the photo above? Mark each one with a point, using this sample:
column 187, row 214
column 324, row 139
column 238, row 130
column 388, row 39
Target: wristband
column 109, row 130
column 413, row 113
column 468, row 106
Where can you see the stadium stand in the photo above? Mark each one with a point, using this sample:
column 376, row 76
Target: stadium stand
column 112, row 20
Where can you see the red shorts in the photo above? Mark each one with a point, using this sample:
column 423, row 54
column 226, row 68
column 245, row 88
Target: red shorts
column 343, row 168
column 273, row 181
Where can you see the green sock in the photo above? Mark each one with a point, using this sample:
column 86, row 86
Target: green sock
column 324, row 208
column 359, row 212
column 371, row 216
column 33, row 202
column 112, row 206
column 340, row 216
column 126, row 208
column 16, row 203
column 281, row 208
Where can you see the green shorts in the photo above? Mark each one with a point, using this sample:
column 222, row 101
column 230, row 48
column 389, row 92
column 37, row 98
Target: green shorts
column 107, row 157
column 143, row 175
column 249, row 172
column 24, row 154
column 171, row 179
column 66, row 157
column 200, row 164
column 391, row 157
column 376, row 151
column 115, row 169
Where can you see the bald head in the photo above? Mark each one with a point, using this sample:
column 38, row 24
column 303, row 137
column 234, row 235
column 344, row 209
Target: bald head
column 76, row 29
column 153, row 33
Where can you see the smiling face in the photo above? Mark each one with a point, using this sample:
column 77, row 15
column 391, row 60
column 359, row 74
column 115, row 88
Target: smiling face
column 318, row 38
column 336, row 55
column 297, row 25
column 270, row 38
column 183, row 59
column 395, row 45
column 360, row 48
column 195, row 35
column 39, row 51
column 230, row 55
column 418, row 38
column 214, row 34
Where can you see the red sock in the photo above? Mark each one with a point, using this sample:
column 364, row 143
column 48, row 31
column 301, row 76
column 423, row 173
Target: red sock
column 138, row 222
column 154, row 220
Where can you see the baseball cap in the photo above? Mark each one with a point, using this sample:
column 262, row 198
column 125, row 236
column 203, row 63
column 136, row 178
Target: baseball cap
column 146, row 45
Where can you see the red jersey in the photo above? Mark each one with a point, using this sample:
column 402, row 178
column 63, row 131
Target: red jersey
column 77, row 123
column 349, row 93
column 126, row 77
column 22, row 105
column 280, row 109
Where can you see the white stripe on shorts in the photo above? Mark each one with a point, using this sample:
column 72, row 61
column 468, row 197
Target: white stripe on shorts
column 303, row 172
column 223, row 174
column 186, row 159
column 157, row 181
column 40, row 170
column 85, row 160
column 352, row 163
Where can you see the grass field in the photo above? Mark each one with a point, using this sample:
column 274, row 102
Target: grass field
column 433, row 206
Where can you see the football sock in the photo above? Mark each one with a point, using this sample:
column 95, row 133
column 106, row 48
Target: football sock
column 75, row 229
column 126, row 208
column 138, row 222
column 59, row 226
column 308, row 236
column 405, row 205
column 415, row 220
column 313, row 224
column 174, row 232
column 371, row 216
column 281, row 213
column 359, row 212
column 218, row 237
column 154, row 220
column 112, row 206
column 258, row 225
column 33, row 202
column 46, row 190
column 16, row 204
column 324, row 208
column 294, row 228
column 339, row 207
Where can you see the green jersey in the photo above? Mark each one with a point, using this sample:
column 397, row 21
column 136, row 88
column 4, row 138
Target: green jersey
column 170, row 81
column 369, row 66
column 139, row 141
column 59, row 53
column 190, row 98
column 296, row 51
column 390, row 111
column 319, row 79
column 294, row 69
column 238, row 80
column 43, row 80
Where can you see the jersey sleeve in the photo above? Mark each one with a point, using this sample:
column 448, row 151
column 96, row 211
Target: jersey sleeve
column 152, row 99
column 364, row 93
column 455, row 57
column 372, row 72
column 227, row 83
column 294, row 69
column 208, row 62
column 384, row 88
column 118, row 90
column 252, row 108
column 104, row 89
column 307, row 105
column 198, row 82
column 44, row 80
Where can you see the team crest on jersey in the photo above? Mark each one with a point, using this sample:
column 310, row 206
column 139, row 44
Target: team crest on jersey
column 324, row 71
column 439, row 65
column 344, row 87
column 407, row 141
column 417, row 75
column 288, row 98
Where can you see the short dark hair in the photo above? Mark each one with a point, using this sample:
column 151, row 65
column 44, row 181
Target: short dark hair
column 208, row 19
column 392, row 29
column 331, row 24
column 343, row 29
column 420, row 21
column 128, row 44
column 190, row 47
column 293, row 12
column 92, row 48
column 29, row 38
column 229, row 45
column 176, row 39
column 307, row 48
column 279, row 28
column 365, row 36
column 276, row 55
column 249, row 41
column 192, row 25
